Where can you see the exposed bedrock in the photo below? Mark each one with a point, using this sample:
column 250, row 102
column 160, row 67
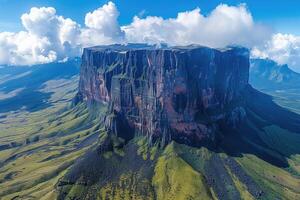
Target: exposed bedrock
column 186, row 94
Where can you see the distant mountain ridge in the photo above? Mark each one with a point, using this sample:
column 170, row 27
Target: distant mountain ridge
column 267, row 74
column 23, row 84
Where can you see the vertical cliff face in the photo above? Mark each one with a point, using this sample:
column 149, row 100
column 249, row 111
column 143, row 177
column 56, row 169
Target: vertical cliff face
column 181, row 93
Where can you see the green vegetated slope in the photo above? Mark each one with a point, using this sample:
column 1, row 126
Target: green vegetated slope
column 59, row 164
column 282, row 142
column 43, row 169
column 59, row 151
column 287, row 98
column 174, row 178
column 32, row 168
column 260, row 160
column 176, row 172
column 39, row 143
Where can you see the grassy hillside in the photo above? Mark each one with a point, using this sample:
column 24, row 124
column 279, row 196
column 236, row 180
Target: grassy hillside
column 178, row 172
column 42, row 135
column 50, row 149
column 259, row 160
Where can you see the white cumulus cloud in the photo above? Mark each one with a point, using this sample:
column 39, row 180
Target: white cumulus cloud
column 105, row 20
column 225, row 25
column 283, row 48
column 49, row 37
column 102, row 26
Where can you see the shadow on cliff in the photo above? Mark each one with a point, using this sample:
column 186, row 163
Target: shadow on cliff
column 270, row 132
column 26, row 84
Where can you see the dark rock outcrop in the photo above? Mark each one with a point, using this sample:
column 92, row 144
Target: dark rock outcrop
column 179, row 93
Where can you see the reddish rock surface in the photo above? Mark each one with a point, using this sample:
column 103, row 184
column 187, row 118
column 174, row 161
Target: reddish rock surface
column 177, row 93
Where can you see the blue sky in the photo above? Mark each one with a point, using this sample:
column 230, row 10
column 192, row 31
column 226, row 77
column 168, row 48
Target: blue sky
column 56, row 30
column 282, row 15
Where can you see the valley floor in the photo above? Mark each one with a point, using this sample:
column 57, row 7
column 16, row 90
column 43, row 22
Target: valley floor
column 40, row 140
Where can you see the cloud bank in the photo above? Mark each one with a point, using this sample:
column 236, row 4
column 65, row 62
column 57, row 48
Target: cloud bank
column 49, row 37
column 225, row 25
column 283, row 48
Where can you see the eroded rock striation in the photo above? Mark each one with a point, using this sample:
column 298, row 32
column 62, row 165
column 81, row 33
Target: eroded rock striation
column 187, row 94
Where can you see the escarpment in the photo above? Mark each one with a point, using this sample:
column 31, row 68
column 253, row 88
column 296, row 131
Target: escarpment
column 187, row 94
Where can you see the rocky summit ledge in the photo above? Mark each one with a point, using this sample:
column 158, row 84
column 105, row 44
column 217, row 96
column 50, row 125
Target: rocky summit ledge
column 135, row 47
column 189, row 94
